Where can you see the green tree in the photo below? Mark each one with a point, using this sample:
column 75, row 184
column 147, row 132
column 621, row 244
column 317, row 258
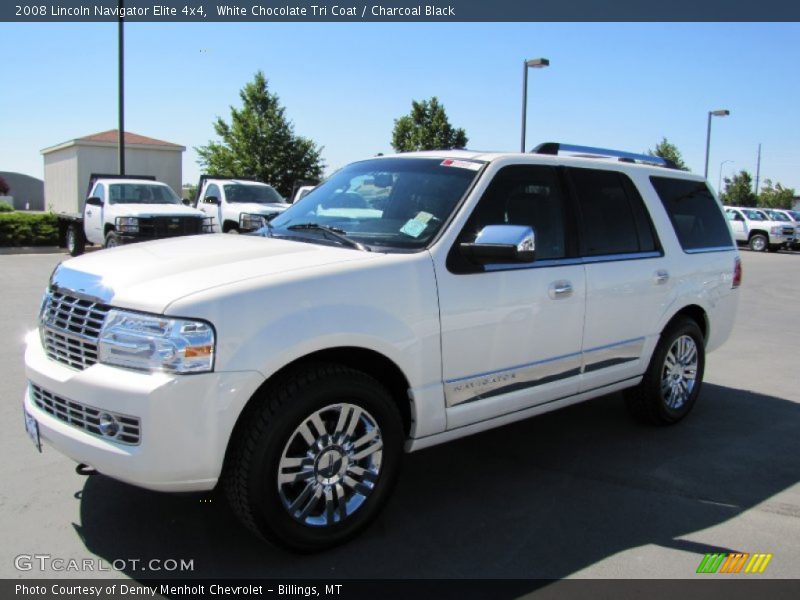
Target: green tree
column 426, row 128
column 739, row 190
column 260, row 142
column 668, row 150
column 775, row 196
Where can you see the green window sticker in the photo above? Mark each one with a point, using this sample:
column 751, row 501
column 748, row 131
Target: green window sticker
column 414, row 227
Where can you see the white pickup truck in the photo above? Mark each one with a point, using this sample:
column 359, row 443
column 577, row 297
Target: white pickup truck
column 238, row 205
column 758, row 230
column 462, row 291
column 120, row 210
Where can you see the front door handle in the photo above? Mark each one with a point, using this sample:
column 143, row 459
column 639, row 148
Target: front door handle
column 661, row 277
column 560, row 289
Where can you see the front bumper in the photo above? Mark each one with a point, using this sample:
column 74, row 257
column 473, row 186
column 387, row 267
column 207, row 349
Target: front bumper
column 185, row 420
column 781, row 240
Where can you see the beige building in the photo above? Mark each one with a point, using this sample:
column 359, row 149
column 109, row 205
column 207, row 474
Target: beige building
column 68, row 166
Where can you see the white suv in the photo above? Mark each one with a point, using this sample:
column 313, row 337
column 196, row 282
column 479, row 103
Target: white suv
column 295, row 367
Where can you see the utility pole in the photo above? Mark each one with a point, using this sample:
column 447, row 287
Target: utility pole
column 121, row 54
column 758, row 169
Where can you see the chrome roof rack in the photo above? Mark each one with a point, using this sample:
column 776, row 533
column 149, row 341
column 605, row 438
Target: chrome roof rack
column 554, row 148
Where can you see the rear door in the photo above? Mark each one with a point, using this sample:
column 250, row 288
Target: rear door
column 210, row 209
column 628, row 281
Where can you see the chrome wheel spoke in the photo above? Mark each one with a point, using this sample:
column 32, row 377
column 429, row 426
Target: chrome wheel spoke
column 679, row 373
column 330, row 464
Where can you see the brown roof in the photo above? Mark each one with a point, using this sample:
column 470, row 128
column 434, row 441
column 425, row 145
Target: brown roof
column 112, row 136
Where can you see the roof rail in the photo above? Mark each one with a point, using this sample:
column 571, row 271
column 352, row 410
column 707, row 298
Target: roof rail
column 555, row 148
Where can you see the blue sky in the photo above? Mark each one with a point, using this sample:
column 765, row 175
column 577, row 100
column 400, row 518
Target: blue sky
column 613, row 85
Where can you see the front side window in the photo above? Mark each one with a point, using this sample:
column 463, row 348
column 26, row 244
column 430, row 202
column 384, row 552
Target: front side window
column 694, row 213
column 141, row 193
column 260, row 194
column 386, row 203
column 212, row 191
column 100, row 192
column 524, row 195
column 614, row 219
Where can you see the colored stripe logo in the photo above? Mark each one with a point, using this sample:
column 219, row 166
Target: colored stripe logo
column 736, row 562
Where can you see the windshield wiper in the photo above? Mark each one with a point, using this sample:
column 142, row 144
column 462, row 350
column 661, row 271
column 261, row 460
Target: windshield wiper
column 334, row 232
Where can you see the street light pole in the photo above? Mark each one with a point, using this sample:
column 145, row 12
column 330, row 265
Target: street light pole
column 121, row 91
column 534, row 63
column 719, row 185
column 712, row 113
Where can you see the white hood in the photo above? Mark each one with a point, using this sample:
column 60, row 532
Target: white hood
column 155, row 210
column 150, row 275
column 256, row 208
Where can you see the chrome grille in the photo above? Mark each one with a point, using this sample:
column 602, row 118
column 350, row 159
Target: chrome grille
column 70, row 327
column 86, row 417
column 788, row 231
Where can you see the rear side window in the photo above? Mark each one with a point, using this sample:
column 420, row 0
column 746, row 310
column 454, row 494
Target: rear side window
column 694, row 213
column 613, row 217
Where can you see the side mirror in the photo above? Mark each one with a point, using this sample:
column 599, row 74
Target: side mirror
column 94, row 201
column 211, row 200
column 501, row 244
column 186, row 202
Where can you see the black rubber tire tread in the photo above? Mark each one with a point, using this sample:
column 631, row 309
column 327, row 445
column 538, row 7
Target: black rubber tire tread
column 644, row 401
column 80, row 240
column 260, row 416
column 111, row 235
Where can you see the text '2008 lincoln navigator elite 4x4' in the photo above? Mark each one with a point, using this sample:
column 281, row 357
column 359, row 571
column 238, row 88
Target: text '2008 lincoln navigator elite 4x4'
column 407, row 301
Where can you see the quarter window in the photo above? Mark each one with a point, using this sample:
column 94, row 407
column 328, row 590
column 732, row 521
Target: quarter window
column 694, row 213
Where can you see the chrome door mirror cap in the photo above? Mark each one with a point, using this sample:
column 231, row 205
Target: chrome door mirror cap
column 502, row 244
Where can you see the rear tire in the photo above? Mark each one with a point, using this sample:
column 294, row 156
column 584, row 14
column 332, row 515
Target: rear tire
column 316, row 458
column 758, row 242
column 75, row 242
column 673, row 379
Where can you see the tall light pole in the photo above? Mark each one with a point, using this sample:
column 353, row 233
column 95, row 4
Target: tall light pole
column 712, row 113
column 533, row 63
column 121, row 92
column 719, row 185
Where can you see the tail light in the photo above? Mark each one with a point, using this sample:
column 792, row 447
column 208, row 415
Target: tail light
column 737, row 273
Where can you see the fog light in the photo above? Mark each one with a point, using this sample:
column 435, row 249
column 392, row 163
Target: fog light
column 109, row 426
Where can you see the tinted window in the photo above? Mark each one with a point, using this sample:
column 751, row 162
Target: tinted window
column 613, row 217
column 524, row 195
column 695, row 214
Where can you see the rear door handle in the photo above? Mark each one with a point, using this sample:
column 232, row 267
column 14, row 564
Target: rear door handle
column 661, row 277
column 560, row 289
column 88, row 213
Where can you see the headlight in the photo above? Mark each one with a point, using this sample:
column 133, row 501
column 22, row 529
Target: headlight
column 128, row 224
column 156, row 343
column 248, row 222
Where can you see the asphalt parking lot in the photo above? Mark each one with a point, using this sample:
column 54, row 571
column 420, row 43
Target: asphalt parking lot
column 583, row 492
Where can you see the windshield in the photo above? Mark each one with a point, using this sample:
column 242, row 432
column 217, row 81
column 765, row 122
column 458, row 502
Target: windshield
column 778, row 216
column 142, row 193
column 754, row 215
column 398, row 203
column 261, row 194
column 795, row 215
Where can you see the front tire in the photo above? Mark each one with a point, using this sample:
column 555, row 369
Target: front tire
column 758, row 243
column 112, row 240
column 317, row 458
column 673, row 379
column 76, row 243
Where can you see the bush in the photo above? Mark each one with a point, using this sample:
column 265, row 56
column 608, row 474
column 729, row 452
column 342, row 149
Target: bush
column 26, row 229
column 5, row 207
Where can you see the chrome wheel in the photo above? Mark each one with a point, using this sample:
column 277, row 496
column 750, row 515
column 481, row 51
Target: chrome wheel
column 72, row 241
column 330, row 465
column 679, row 374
